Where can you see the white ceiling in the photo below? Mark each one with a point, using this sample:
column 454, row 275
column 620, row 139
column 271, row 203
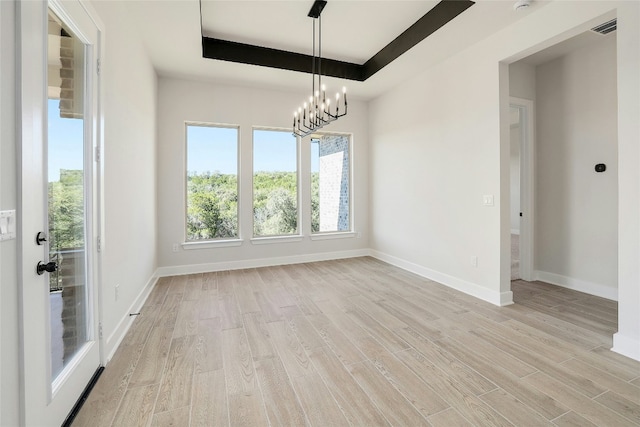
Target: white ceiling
column 353, row 30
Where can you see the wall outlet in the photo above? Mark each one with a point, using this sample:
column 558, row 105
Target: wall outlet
column 117, row 290
column 359, row 234
column 175, row 247
column 474, row 261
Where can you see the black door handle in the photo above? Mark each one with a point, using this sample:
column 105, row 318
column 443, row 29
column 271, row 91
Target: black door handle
column 49, row 267
column 41, row 238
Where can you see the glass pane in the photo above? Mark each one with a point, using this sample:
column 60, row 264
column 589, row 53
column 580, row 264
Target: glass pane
column 66, row 191
column 330, row 184
column 275, row 183
column 212, row 182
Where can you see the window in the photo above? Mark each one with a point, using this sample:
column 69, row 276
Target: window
column 212, row 182
column 330, row 184
column 275, row 183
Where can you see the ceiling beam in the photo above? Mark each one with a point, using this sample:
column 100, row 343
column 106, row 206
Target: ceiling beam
column 226, row 50
column 434, row 19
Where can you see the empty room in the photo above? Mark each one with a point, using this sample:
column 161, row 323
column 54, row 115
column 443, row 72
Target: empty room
column 341, row 212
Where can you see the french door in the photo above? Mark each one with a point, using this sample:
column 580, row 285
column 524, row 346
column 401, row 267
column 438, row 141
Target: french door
column 59, row 51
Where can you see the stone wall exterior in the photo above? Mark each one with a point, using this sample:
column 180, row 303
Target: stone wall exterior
column 334, row 183
column 74, row 309
column 71, row 85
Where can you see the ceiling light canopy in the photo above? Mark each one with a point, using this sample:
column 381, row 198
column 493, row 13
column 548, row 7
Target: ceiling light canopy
column 522, row 4
column 318, row 111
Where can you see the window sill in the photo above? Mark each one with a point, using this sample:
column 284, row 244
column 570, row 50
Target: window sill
column 338, row 235
column 275, row 239
column 188, row 246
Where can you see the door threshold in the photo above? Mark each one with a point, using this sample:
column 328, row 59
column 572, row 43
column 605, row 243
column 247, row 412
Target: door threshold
column 83, row 397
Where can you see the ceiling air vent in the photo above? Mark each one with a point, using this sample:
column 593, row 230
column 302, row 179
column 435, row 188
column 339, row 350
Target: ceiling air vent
column 607, row 27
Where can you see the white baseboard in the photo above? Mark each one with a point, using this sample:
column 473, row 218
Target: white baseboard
column 116, row 337
column 590, row 288
column 255, row 263
column 496, row 298
column 626, row 346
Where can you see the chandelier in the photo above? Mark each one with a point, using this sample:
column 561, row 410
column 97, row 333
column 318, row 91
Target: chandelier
column 318, row 111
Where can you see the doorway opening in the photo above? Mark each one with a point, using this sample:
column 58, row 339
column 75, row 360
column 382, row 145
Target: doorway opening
column 515, row 139
column 569, row 170
column 521, row 167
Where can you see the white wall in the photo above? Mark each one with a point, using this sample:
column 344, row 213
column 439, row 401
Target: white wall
column 436, row 150
column 522, row 80
column 576, row 207
column 9, row 408
column 129, row 238
column 627, row 339
column 181, row 101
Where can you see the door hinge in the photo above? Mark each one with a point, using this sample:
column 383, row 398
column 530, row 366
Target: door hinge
column 100, row 330
column 99, row 244
column 98, row 66
column 97, row 154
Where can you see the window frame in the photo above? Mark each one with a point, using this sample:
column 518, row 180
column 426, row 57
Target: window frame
column 336, row 234
column 220, row 241
column 277, row 238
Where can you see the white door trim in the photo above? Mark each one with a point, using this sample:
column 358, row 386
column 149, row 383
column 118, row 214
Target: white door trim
column 527, row 184
column 97, row 162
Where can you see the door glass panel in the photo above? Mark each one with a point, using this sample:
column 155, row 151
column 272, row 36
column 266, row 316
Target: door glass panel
column 66, row 193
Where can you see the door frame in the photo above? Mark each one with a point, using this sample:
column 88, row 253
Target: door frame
column 526, row 107
column 31, row 58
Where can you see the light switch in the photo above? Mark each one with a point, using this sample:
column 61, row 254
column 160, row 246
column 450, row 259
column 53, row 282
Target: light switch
column 7, row 225
column 487, row 200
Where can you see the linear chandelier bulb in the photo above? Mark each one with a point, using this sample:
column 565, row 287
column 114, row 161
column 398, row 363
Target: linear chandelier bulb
column 317, row 112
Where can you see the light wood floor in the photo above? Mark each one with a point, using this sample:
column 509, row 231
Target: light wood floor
column 359, row 342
